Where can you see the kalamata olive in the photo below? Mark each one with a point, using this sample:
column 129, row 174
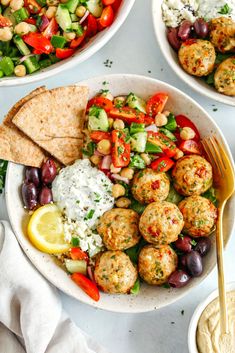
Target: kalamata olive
column 203, row 246
column 185, row 30
column 32, row 175
column 183, row 260
column 194, row 263
column 178, row 279
column 173, row 39
column 184, row 243
column 201, row 28
column 48, row 171
column 45, row 196
column 29, row 195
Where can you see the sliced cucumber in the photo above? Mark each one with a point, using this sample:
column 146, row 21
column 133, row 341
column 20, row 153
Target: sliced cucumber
column 138, row 141
column 168, row 134
column 98, row 119
column 63, row 17
column 22, row 47
column 136, row 102
column 73, row 266
column 71, row 5
column 95, row 7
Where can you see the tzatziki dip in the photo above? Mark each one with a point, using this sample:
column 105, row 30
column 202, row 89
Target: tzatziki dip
column 83, row 194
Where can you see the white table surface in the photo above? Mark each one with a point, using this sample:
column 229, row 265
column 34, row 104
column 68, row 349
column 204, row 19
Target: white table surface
column 133, row 50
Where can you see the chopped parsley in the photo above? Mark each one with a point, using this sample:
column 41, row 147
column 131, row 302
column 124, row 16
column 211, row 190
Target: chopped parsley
column 3, row 170
column 225, row 10
column 166, row 285
column 89, row 215
column 97, row 197
column 193, row 242
column 89, row 150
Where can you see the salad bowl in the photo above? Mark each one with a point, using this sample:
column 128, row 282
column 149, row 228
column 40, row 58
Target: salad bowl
column 149, row 297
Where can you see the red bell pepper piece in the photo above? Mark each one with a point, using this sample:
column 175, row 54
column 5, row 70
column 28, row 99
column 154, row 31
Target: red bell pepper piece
column 78, row 254
column 121, row 151
column 101, row 102
column 156, row 103
column 51, row 29
column 190, row 147
column 86, row 285
column 5, row 22
column 97, row 136
column 162, row 164
column 129, row 115
column 38, row 42
column 107, row 16
column 167, row 145
column 76, row 42
column 64, row 53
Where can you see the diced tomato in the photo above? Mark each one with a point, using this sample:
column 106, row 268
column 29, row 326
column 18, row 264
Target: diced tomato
column 116, row 5
column 5, row 22
column 37, row 52
column 76, row 42
column 129, row 115
column 31, row 21
column 101, row 102
column 64, row 53
column 156, row 103
column 78, row 254
column 91, row 26
column 121, row 151
column 162, row 164
column 51, row 29
column 86, row 285
column 32, row 6
column 190, row 147
column 183, row 121
column 148, row 120
column 97, row 136
column 107, row 16
column 38, row 42
column 108, row 2
column 167, row 145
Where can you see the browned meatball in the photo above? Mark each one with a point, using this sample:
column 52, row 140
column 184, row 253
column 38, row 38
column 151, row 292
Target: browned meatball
column 222, row 34
column 156, row 264
column 225, row 77
column 197, row 57
column 119, row 228
column 114, row 272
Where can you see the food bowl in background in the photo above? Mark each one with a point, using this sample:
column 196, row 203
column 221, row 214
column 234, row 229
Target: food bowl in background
column 172, row 59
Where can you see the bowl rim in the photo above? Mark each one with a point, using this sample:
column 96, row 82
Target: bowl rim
column 109, row 77
column 76, row 59
column 188, row 79
column 192, row 329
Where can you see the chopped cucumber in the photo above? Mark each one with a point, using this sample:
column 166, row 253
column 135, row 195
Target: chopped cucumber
column 151, row 148
column 31, row 64
column 63, row 17
column 21, row 15
column 138, row 141
column 74, row 17
column 171, row 123
column 168, row 134
column 7, row 13
column 77, row 28
column 72, row 5
column 58, row 41
column 7, row 66
column 136, row 102
column 73, row 266
column 136, row 128
column 95, row 7
column 137, row 162
column 98, row 119
column 24, row 50
column 44, row 63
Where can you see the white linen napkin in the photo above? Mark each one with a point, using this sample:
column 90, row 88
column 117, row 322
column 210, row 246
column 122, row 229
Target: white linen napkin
column 31, row 315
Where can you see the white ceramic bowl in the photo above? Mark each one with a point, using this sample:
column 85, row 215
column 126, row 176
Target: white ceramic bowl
column 171, row 57
column 93, row 45
column 192, row 344
column 150, row 297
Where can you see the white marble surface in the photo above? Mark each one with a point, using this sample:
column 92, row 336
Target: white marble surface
column 133, row 50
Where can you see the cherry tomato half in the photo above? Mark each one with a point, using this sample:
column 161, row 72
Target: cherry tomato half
column 129, row 115
column 107, row 16
column 101, row 102
column 162, row 164
column 108, row 2
column 86, row 285
column 64, row 53
column 167, row 145
column 121, row 151
column 78, row 254
column 190, row 147
column 156, row 103
column 182, row 121
column 97, row 136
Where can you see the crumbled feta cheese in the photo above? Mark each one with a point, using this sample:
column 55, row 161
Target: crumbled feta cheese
column 175, row 11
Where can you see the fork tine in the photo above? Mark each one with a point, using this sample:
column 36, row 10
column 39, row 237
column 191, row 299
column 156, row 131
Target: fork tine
column 223, row 156
column 207, row 146
column 218, row 159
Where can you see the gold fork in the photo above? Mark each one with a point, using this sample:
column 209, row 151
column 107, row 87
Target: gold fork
column 224, row 180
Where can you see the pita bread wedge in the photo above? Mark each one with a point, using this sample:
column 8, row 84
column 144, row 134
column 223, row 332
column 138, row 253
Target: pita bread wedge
column 16, row 146
column 54, row 120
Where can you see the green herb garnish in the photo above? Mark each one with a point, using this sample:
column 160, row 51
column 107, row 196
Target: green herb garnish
column 75, row 242
column 225, row 10
column 89, row 215
column 136, row 288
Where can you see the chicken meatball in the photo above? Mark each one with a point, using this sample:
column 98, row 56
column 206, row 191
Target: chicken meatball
column 156, row 264
column 199, row 216
column 192, row 175
column 222, row 34
column 149, row 186
column 197, row 57
column 161, row 223
column 225, row 77
column 119, row 228
column 114, row 272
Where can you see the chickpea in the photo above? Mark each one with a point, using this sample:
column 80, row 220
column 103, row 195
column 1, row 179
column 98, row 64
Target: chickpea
column 123, row 202
column 118, row 124
column 118, row 190
column 5, row 34
column 104, row 146
column 52, row 2
column 5, row 2
column 187, row 133
column 127, row 173
column 113, row 169
column 166, row 113
column 146, row 158
column 110, row 122
column 51, row 11
column 80, row 11
column 16, row 4
column 95, row 159
column 20, row 70
column 160, row 119
column 69, row 35
column 179, row 154
column 119, row 101
column 22, row 28
column 107, row 95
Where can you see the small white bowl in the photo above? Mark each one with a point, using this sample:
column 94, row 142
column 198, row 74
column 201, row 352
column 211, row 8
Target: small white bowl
column 171, row 57
column 92, row 46
column 192, row 331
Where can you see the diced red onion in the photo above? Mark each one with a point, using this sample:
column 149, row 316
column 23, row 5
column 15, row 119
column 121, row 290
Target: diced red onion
column 119, row 177
column 152, row 127
column 90, row 274
column 43, row 23
column 21, row 60
column 97, row 153
column 106, row 162
column 84, row 17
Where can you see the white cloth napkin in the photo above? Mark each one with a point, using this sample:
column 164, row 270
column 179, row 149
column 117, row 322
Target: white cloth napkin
column 31, row 315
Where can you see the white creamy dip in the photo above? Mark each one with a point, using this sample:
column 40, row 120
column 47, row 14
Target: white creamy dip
column 209, row 9
column 83, row 194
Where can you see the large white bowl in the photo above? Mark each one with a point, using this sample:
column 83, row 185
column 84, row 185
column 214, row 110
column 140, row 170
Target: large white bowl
column 93, row 45
column 150, row 297
column 171, row 57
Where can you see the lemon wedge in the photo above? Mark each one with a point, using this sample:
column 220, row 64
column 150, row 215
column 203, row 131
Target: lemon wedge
column 46, row 230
